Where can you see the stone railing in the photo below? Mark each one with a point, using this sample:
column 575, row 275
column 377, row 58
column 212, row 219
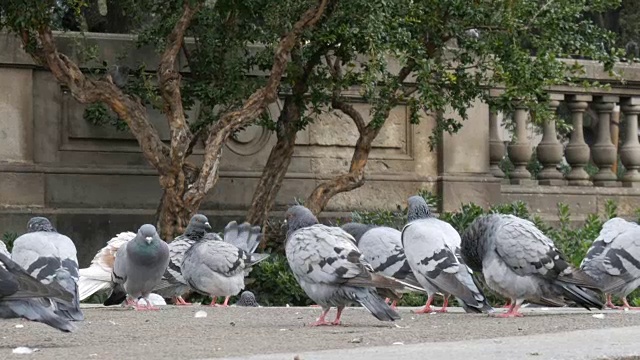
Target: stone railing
column 610, row 110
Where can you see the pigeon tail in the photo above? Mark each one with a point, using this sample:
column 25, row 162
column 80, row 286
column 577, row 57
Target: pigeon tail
column 118, row 295
column 375, row 304
column 35, row 310
column 243, row 236
column 88, row 287
column 69, row 310
column 482, row 307
column 583, row 297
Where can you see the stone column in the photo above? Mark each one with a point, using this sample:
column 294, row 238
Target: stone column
column 520, row 151
column 549, row 149
column 577, row 151
column 496, row 145
column 630, row 150
column 604, row 153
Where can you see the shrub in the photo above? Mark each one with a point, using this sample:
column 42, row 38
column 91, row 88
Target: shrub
column 8, row 238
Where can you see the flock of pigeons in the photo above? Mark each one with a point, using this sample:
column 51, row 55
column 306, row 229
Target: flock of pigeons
column 336, row 266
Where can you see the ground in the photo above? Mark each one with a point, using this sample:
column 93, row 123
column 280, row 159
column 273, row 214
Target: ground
column 175, row 332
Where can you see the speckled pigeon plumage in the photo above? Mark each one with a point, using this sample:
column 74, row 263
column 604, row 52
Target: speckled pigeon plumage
column 330, row 268
column 217, row 268
column 613, row 260
column 42, row 251
column 433, row 252
column 382, row 248
column 138, row 267
column 247, row 299
column 23, row 296
column 173, row 284
column 519, row 262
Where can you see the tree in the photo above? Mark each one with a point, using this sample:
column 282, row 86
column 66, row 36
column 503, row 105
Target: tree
column 220, row 32
column 448, row 54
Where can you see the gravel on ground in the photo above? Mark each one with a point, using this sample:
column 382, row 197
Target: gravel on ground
column 175, row 332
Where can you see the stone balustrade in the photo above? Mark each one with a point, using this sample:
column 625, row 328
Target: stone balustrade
column 578, row 154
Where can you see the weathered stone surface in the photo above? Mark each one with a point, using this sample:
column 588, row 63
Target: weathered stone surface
column 16, row 115
column 22, row 189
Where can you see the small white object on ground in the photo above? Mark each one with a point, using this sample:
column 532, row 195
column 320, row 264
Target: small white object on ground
column 201, row 314
column 598, row 316
column 19, row 326
column 23, row 350
column 398, row 343
column 156, row 300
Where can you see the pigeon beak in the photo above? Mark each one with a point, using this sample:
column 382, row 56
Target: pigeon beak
column 149, row 239
column 207, row 226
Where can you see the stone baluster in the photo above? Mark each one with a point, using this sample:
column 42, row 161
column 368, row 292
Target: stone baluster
column 549, row 149
column 604, row 153
column 520, row 150
column 496, row 145
column 630, row 150
column 577, row 151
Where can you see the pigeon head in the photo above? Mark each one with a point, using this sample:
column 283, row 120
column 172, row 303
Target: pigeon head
column 198, row 226
column 298, row 217
column 148, row 233
column 356, row 229
column 247, row 299
column 39, row 223
column 418, row 208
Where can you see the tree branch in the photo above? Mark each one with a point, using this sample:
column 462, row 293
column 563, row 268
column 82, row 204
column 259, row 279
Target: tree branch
column 169, row 84
column 87, row 91
column 252, row 107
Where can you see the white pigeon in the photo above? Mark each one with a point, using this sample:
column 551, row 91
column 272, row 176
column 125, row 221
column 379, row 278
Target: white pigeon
column 138, row 267
column 382, row 248
column 173, row 284
column 43, row 253
column 23, row 296
column 432, row 247
column 613, row 260
column 519, row 262
column 97, row 276
column 331, row 270
column 217, row 268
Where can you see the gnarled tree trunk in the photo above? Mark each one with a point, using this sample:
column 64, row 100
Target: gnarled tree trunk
column 277, row 165
column 353, row 179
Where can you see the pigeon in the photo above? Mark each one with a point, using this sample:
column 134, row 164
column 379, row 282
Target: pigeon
column 613, row 260
column 217, row 268
column 247, row 299
column 173, row 284
column 382, row 248
column 23, row 296
column 432, row 247
column 42, row 251
column 331, row 270
column 519, row 262
column 3, row 249
column 97, row 276
column 138, row 267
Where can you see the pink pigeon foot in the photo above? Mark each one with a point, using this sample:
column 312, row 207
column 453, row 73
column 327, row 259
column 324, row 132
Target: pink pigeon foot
column 444, row 305
column 321, row 321
column 394, row 304
column 626, row 305
column 180, row 301
column 513, row 312
column 226, row 302
column 213, row 301
column 337, row 320
column 610, row 305
column 427, row 307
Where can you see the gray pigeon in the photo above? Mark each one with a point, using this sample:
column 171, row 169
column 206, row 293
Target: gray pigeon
column 382, row 248
column 613, row 260
column 173, row 284
column 23, row 296
column 217, row 268
column 247, row 299
column 139, row 266
column 42, row 251
column 330, row 268
column 519, row 262
column 432, row 247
